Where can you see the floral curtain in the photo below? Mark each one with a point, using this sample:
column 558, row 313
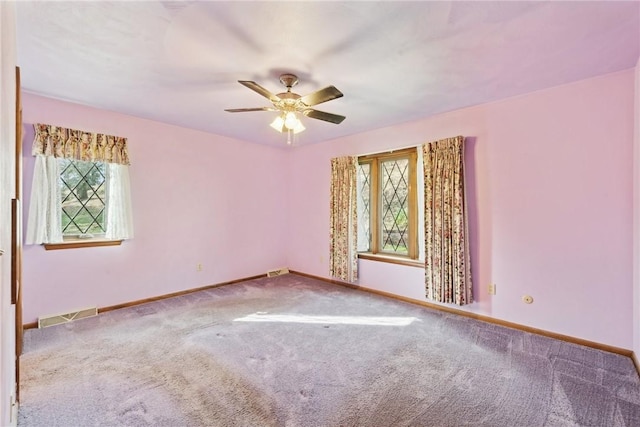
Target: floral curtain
column 447, row 260
column 343, row 258
column 79, row 145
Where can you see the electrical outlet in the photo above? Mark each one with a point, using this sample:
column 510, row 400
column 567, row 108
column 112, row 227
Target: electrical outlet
column 198, row 267
column 492, row 289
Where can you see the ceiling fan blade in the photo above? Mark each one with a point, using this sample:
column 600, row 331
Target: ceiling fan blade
column 262, row 91
column 242, row 110
column 321, row 115
column 323, row 95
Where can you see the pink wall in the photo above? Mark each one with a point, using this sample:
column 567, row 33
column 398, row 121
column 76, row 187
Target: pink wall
column 197, row 198
column 550, row 179
column 550, row 176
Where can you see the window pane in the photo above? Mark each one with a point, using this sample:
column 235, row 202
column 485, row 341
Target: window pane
column 395, row 206
column 83, row 189
column 364, row 207
column 70, row 174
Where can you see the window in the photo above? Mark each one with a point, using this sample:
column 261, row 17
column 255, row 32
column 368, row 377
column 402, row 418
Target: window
column 83, row 192
column 387, row 207
column 80, row 194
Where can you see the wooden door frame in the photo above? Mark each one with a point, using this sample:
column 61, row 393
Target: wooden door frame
column 16, row 237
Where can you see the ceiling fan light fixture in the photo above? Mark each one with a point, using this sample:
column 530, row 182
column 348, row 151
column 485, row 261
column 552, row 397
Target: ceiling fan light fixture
column 290, row 120
column 287, row 122
column 278, row 124
column 298, row 127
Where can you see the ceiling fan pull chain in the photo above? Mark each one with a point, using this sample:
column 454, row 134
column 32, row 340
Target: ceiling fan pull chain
column 289, row 132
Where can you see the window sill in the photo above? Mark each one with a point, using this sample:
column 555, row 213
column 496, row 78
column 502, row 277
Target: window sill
column 73, row 244
column 391, row 259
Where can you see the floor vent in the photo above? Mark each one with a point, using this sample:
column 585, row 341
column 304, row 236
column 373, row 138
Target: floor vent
column 57, row 319
column 278, row 272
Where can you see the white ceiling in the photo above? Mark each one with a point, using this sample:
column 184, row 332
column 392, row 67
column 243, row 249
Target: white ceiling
column 179, row 62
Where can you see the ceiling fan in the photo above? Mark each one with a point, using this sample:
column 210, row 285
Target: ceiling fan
column 290, row 103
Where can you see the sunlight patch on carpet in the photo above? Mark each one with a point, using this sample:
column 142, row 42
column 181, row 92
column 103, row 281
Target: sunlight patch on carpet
column 330, row 320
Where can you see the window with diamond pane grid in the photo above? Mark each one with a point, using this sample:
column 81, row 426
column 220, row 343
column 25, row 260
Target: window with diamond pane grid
column 83, row 191
column 387, row 203
column 395, row 205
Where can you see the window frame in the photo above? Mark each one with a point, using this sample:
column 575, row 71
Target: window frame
column 375, row 207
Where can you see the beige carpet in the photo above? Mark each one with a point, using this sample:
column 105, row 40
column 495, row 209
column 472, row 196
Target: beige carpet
column 293, row 351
